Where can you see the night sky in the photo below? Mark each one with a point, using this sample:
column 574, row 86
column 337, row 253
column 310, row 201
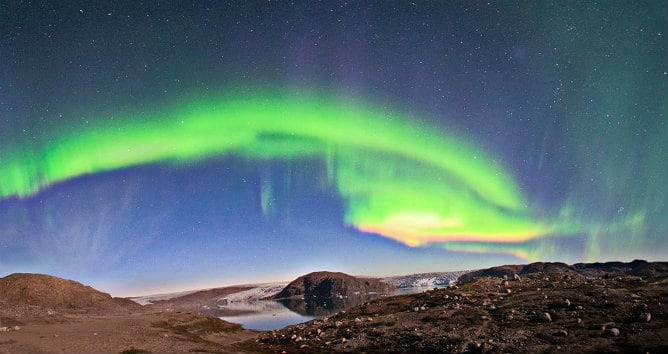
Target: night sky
column 157, row 146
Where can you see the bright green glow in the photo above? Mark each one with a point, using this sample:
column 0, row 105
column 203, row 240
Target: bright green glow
column 399, row 179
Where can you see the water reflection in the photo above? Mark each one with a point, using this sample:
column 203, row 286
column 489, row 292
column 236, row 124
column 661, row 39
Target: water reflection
column 267, row 315
column 325, row 307
column 263, row 315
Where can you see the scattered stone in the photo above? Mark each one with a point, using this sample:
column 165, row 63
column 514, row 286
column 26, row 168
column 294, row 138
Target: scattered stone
column 467, row 322
column 17, row 328
column 544, row 317
column 606, row 325
column 561, row 333
column 611, row 332
column 516, row 277
column 645, row 317
column 508, row 291
column 4, row 329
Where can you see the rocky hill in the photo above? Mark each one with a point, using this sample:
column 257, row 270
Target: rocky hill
column 549, row 308
column 329, row 285
column 49, row 292
column 590, row 270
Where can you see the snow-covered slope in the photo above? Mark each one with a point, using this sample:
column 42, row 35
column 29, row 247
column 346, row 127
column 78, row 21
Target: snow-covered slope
column 259, row 292
column 425, row 279
column 149, row 299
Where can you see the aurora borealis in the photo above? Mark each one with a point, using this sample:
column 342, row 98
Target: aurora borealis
column 402, row 181
column 150, row 147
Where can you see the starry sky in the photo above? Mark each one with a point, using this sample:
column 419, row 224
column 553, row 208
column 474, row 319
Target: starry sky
column 159, row 146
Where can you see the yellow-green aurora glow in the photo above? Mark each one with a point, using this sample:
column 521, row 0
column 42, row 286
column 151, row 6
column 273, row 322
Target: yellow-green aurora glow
column 409, row 182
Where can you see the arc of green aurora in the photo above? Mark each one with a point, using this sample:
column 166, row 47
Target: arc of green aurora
column 398, row 179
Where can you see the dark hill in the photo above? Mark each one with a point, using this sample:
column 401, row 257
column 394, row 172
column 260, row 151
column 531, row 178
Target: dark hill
column 329, row 285
column 590, row 270
column 51, row 292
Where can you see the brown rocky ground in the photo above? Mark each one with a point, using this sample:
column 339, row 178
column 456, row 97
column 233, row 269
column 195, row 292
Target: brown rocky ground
column 45, row 314
column 152, row 332
column 540, row 312
column 549, row 308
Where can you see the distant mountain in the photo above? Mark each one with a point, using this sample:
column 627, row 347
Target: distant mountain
column 425, row 279
column 214, row 296
column 330, row 285
column 55, row 293
column 591, row 270
column 208, row 297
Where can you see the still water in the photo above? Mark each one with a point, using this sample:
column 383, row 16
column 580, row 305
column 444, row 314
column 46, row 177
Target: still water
column 266, row 315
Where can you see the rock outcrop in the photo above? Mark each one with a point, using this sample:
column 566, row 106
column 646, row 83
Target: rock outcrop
column 331, row 285
column 49, row 292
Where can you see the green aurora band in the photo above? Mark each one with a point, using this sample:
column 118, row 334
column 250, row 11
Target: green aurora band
column 398, row 179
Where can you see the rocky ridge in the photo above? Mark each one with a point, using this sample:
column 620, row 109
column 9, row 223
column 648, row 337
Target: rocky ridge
column 590, row 270
column 39, row 291
column 551, row 309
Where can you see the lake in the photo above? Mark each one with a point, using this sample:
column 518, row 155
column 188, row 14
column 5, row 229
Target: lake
column 267, row 315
